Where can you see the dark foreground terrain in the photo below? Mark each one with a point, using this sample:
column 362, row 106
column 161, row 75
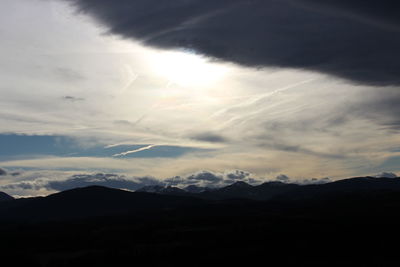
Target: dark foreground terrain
column 354, row 222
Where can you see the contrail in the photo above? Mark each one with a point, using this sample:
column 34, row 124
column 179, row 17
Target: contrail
column 257, row 98
column 254, row 101
column 134, row 151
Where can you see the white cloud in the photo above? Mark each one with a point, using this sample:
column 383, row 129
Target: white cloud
column 386, row 175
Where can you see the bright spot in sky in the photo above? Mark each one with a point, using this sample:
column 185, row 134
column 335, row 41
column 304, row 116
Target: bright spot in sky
column 187, row 69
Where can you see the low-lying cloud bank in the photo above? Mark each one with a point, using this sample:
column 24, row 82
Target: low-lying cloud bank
column 40, row 184
column 83, row 180
column 202, row 178
column 386, row 175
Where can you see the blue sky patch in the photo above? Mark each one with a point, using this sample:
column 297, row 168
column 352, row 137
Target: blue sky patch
column 14, row 146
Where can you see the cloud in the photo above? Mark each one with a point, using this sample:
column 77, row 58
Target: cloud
column 238, row 175
column 207, row 178
column 68, row 74
column 83, row 180
column 35, row 183
column 72, row 98
column 3, row 172
column 384, row 12
column 356, row 40
column 386, row 175
column 209, row 137
column 286, row 179
column 381, row 107
column 203, row 177
column 315, row 181
column 283, row 178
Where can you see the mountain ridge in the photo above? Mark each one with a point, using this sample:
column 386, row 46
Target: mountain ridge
column 95, row 201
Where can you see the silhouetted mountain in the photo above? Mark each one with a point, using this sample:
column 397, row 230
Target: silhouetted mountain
column 173, row 191
column 283, row 191
column 269, row 190
column 237, row 190
column 351, row 222
column 151, row 189
column 196, row 189
column 243, row 190
column 5, row 197
column 169, row 190
column 90, row 202
column 352, row 186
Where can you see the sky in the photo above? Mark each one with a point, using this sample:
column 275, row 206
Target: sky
column 135, row 92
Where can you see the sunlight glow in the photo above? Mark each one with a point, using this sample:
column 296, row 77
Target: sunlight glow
column 187, row 69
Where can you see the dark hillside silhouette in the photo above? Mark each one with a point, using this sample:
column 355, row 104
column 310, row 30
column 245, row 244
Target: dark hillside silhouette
column 352, row 222
column 90, row 202
column 5, row 197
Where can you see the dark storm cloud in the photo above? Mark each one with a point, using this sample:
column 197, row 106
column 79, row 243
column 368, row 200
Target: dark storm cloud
column 380, row 12
column 353, row 39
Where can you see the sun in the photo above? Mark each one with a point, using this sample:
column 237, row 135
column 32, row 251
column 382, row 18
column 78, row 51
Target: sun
column 187, row 69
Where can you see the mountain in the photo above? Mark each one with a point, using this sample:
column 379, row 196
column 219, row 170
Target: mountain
column 91, row 201
column 196, row 189
column 5, row 197
column 193, row 189
column 95, row 201
column 243, row 190
column 237, row 190
column 269, row 190
column 353, row 186
column 151, row 189
column 351, row 222
column 169, row 190
column 283, row 191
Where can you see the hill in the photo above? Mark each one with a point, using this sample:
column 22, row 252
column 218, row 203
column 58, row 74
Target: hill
column 90, row 201
column 5, row 197
column 352, row 222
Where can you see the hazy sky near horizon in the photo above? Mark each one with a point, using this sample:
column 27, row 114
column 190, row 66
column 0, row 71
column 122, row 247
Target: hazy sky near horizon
column 129, row 88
